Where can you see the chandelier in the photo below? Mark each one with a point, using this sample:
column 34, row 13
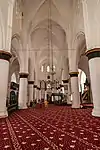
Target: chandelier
column 50, row 77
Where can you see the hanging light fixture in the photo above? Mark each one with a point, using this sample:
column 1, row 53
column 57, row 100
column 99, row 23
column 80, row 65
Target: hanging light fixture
column 52, row 72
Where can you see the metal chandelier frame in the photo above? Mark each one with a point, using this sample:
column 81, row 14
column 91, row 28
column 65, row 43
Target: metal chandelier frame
column 51, row 74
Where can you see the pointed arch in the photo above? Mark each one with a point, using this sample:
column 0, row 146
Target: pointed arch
column 80, row 35
column 17, row 36
column 2, row 32
column 33, row 27
column 15, row 51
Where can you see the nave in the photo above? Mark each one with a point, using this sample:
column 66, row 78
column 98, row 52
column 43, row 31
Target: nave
column 52, row 128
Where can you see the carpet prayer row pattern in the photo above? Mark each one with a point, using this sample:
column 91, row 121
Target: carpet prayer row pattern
column 53, row 128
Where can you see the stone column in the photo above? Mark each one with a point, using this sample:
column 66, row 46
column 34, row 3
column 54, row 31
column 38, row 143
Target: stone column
column 94, row 65
column 40, row 94
column 35, row 92
column 66, row 83
column 45, row 95
column 91, row 14
column 30, row 86
column 75, row 89
column 4, row 65
column 69, row 92
column 23, row 90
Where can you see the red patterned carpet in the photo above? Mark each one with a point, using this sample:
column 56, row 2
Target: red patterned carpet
column 54, row 128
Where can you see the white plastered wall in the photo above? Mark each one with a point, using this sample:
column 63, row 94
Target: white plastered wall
column 67, row 16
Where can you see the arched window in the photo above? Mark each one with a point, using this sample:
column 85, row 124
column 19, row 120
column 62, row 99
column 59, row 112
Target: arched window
column 13, row 78
column 42, row 68
column 54, row 68
column 48, row 68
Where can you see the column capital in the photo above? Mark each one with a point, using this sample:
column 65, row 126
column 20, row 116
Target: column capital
column 5, row 55
column 38, row 88
column 61, row 85
column 30, row 82
column 93, row 53
column 35, row 86
column 73, row 74
column 23, row 75
column 65, row 81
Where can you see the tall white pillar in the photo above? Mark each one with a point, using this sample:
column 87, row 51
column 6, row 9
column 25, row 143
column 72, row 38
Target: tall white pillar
column 35, row 93
column 23, row 90
column 4, row 65
column 75, row 90
column 45, row 95
column 40, row 94
column 69, row 92
column 94, row 65
column 30, row 87
column 91, row 14
column 66, row 84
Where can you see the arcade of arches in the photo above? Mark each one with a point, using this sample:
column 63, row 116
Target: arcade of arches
column 25, row 58
column 49, row 56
